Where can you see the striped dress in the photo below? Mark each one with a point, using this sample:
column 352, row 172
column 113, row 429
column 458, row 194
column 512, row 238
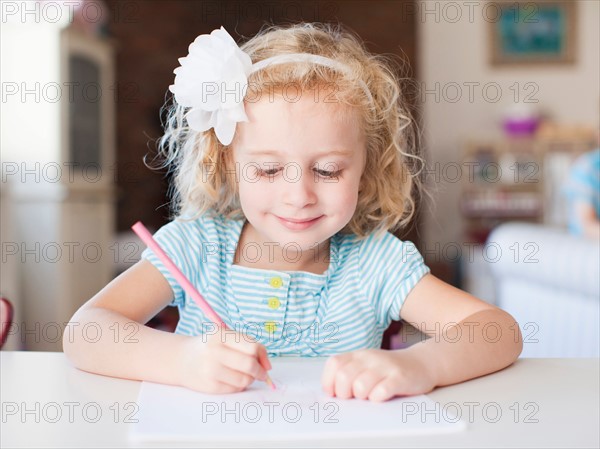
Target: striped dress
column 292, row 313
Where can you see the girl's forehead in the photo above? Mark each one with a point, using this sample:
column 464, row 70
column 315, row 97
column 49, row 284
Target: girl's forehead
column 300, row 102
column 277, row 123
column 306, row 111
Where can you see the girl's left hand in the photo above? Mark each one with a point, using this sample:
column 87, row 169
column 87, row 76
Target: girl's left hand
column 376, row 374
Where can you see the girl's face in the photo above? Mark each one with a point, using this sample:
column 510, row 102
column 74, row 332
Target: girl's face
column 298, row 167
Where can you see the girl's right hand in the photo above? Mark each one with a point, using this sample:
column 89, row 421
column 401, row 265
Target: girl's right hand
column 223, row 362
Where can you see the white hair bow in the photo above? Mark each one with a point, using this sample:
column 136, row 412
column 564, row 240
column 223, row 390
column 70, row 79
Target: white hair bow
column 213, row 79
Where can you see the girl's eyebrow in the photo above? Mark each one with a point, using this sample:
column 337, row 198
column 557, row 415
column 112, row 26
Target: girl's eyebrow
column 346, row 153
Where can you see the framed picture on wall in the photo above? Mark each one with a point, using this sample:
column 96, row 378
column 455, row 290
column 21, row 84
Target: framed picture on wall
column 532, row 32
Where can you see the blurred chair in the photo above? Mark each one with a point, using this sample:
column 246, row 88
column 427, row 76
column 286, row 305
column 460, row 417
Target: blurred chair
column 6, row 316
column 547, row 279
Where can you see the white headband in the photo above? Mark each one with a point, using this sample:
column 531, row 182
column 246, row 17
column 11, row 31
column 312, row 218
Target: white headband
column 213, row 78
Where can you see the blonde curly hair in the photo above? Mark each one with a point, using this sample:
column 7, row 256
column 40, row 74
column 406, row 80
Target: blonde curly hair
column 390, row 183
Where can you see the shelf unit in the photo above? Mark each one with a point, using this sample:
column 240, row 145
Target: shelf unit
column 516, row 179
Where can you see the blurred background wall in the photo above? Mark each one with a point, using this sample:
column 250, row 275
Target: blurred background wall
column 83, row 83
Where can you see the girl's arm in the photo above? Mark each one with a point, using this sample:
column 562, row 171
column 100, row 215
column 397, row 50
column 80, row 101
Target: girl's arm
column 107, row 335
column 468, row 338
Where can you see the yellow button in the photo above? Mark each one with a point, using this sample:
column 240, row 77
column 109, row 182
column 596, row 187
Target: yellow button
column 276, row 282
column 270, row 326
column 273, row 303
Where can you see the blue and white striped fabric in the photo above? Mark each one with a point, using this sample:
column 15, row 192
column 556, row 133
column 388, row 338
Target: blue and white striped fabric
column 583, row 186
column 290, row 312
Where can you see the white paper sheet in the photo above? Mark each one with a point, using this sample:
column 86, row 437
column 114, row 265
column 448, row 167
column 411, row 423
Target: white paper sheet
column 298, row 409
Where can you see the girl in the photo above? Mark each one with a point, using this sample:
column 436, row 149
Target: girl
column 293, row 159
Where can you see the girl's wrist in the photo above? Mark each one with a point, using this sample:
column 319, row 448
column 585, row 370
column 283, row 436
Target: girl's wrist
column 426, row 358
column 183, row 351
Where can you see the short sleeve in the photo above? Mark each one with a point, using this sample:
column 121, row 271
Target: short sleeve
column 181, row 240
column 389, row 269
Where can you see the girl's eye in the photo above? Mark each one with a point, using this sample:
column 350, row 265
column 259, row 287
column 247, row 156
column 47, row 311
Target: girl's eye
column 269, row 172
column 273, row 171
column 328, row 174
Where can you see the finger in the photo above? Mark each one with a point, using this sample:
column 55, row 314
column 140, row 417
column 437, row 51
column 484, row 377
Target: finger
column 247, row 344
column 235, row 379
column 215, row 386
column 344, row 378
column 242, row 362
column 384, row 390
column 332, row 366
column 263, row 358
column 364, row 383
column 241, row 342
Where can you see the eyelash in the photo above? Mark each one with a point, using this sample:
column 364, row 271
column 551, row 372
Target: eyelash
column 323, row 173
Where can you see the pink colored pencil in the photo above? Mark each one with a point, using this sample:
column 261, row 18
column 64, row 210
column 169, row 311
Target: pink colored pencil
column 147, row 238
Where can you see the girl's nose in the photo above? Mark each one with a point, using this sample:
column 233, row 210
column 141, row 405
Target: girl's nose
column 299, row 189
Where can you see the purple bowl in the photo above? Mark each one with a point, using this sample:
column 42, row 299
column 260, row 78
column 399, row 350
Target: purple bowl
column 522, row 126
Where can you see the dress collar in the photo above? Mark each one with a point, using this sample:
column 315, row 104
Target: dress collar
column 234, row 238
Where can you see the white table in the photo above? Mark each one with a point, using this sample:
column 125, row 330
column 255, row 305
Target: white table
column 535, row 402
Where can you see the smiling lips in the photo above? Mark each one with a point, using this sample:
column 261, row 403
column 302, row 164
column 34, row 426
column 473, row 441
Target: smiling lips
column 298, row 224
